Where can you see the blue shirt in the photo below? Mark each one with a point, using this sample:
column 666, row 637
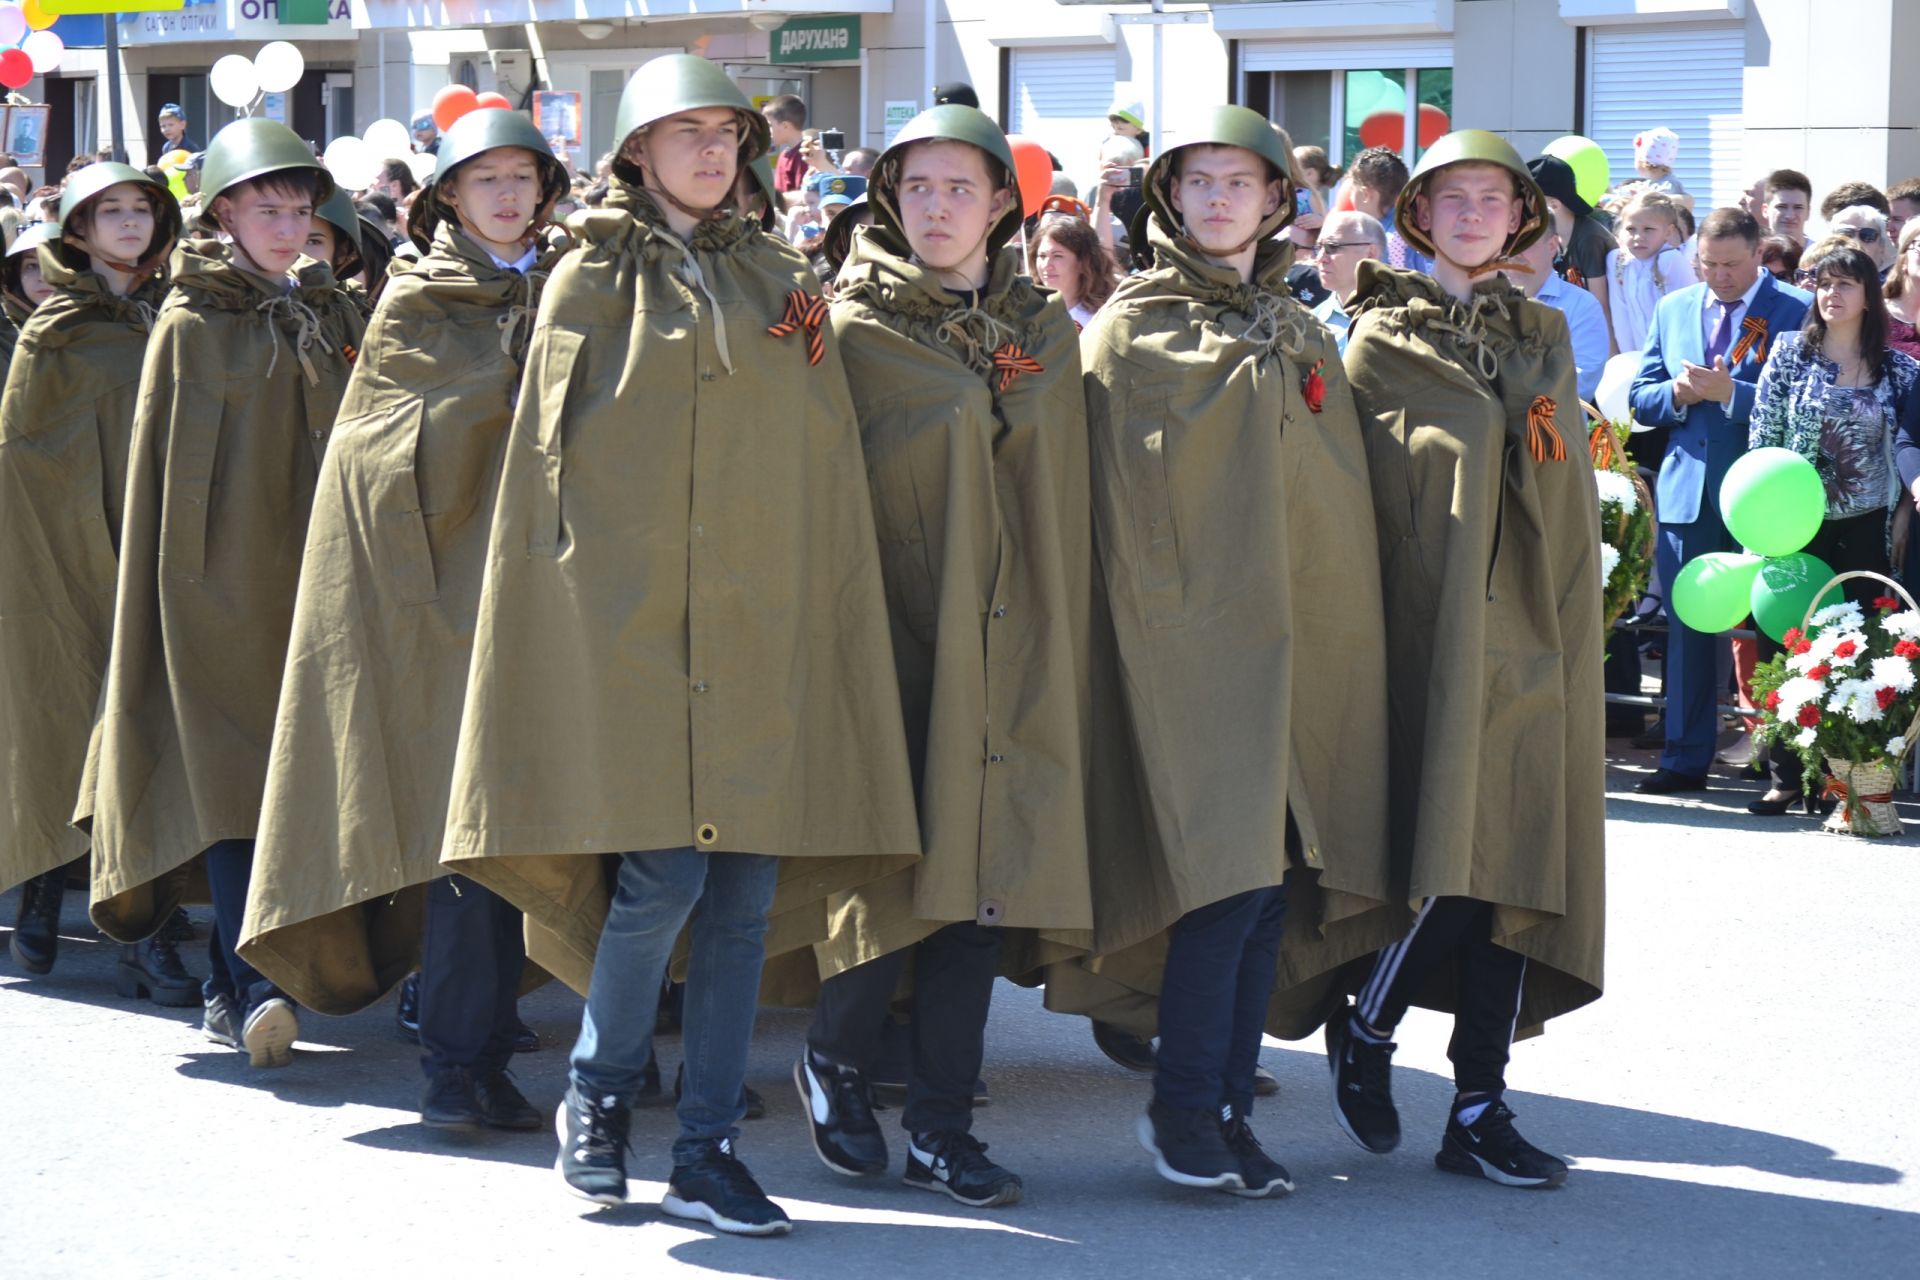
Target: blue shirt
column 1588, row 325
column 1330, row 314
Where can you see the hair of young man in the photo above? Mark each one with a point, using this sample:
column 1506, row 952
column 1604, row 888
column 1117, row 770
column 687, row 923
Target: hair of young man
column 1849, row 194
column 788, row 109
column 869, row 154
column 1837, row 258
column 380, row 205
column 397, row 171
column 1097, row 280
column 284, row 184
column 1381, row 170
column 1788, row 180
column 1905, row 189
column 1731, row 222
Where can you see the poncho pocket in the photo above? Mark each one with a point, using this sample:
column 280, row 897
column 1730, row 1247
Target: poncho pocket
column 1143, row 435
column 400, row 529
column 549, row 387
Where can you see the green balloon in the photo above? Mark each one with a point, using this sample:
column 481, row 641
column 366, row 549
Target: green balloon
column 1711, row 591
column 1784, row 590
column 1588, row 160
column 1773, row 501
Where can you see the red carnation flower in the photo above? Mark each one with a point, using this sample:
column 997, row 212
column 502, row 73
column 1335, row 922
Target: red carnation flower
column 1906, row 649
column 1313, row 389
column 1773, row 701
column 1820, row 672
column 1845, row 649
column 1809, row 716
column 1885, row 697
column 1800, row 646
column 1792, row 637
column 1886, row 604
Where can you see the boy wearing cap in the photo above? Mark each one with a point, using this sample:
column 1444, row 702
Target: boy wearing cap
column 1486, row 508
column 173, row 127
column 242, row 376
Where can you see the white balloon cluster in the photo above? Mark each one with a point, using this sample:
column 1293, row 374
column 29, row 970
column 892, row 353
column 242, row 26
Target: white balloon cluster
column 238, row 80
column 356, row 162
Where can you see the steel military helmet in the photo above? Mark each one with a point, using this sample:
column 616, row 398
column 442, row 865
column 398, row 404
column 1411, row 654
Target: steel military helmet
column 950, row 122
column 337, row 211
column 254, row 147
column 682, row 82
column 95, row 179
column 472, row 135
column 1475, row 146
column 20, row 252
column 1223, row 126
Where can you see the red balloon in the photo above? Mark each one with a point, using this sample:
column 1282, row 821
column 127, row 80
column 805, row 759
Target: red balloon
column 492, row 99
column 1389, row 128
column 16, row 68
column 453, row 102
column 1033, row 167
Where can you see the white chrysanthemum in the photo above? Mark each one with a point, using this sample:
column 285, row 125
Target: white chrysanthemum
column 1804, row 737
column 1895, row 673
column 1896, row 746
column 1618, row 490
column 1905, row 624
column 1796, row 693
column 1846, row 612
column 1609, row 558
column 1856, row 700
column 1800, row 663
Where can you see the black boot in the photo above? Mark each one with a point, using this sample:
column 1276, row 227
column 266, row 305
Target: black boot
column 36, row 933
column 152, row 969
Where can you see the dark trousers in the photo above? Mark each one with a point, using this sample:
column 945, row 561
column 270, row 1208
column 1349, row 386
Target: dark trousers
column 229, row 870
column 1221, row 962
column 953, row 972
column 470, row 963
column 1857, row 542
column 1456, row 933
column 1697, row 663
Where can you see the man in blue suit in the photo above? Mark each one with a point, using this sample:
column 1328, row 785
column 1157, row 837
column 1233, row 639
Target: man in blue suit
column 1697, row 378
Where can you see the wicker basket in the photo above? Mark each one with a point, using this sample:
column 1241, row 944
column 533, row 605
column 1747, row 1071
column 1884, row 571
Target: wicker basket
column 1863, row 788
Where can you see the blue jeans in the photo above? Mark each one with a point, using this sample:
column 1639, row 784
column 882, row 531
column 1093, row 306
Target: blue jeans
column 229, row 872
column 1221, row 963
column 655, row 894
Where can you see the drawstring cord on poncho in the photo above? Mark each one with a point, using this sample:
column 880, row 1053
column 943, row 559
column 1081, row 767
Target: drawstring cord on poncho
column 1471, row 333
column 520, row 313
column 1272, row 324
column 975, row 335
column 688, row 270
column 309, row 322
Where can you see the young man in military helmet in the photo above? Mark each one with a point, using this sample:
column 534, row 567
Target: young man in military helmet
column 243, row 374
column 966, row 379
column 66, row 425
column 684, row 632
column 1228, row 493
column 382, row 641
column 1486, row 510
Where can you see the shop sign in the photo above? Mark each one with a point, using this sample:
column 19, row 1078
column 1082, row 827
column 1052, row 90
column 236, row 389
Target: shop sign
column 815, row 40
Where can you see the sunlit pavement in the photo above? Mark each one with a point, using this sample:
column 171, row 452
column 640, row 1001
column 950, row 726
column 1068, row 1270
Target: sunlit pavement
column 1742, row 1102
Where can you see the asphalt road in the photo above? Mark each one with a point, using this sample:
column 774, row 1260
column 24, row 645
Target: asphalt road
column 1741, row 1102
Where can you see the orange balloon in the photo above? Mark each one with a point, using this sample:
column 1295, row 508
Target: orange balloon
column 453, row 102
column 1033, row 167
column 36, row 15
column 492, row 99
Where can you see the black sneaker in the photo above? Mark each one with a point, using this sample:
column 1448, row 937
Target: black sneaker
column 716, row 1188
column 1492, row 1149
column 839, row 1106
column 525, row 1038
column 956, row 1163
column 502, row 1105
column 1261, row 1173
column 1188, row 1148
column 269, row 1032
column 451, row 1102
column 220, row 1020
column 406, row 1013
column 1362, row 1085
column 593, row 1146
column 36, row 930
column 755, row 1105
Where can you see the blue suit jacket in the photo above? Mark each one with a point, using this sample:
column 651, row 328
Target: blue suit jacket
column 1705, row 438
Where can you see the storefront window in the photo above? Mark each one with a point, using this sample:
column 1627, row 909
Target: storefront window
column 1436, row 108
column 1374, row 110
column 1371, row 106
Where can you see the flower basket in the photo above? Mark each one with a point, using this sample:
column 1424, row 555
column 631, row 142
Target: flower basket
column 1845, row 696
column 1864, row 791
column 1626, row 519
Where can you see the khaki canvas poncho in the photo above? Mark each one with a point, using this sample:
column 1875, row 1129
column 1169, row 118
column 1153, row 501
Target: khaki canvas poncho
column 1237, row 550
column 237, row 394
column 1489, row 553
column 974, row 426
column 356, row 790
column 65, row 425
column 682, row 637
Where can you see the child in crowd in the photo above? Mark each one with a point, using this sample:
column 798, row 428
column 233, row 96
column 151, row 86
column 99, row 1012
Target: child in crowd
column 1654, row 154
column 1646, row 267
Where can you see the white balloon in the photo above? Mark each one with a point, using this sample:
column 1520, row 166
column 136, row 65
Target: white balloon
column 234, row 81
column 44, row 48
column 389, row 139
column 352, row 162
column 423, row 166
column 280, row 66
column 1610, row 397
